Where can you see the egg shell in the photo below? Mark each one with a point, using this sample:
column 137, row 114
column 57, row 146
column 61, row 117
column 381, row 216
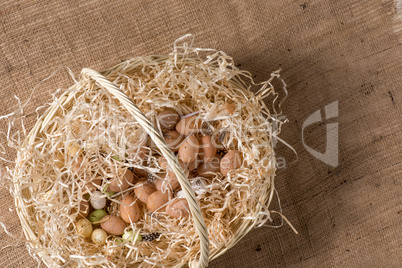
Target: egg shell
column 121, row 184
column 113, row 225
column 206, row 169
column 188, row 125
column 84, row 227
column 138, row 155
column 231, row 161
column 178, row 208
column 168, row 118
column 156, row 200
column 189, row 149
column 207, row 148
column 107, row 191
column 130, row 236
column 164, row 164
column 99, row 236
column 169, row 183
column 158, row 184
column 97, row 200
column 194, row 165
column 129, row 209
column 173, row 139
column 140, row 172
column 97, row 215
column 143, row 190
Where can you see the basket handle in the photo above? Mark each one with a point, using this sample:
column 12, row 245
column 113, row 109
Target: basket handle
column 166, row 152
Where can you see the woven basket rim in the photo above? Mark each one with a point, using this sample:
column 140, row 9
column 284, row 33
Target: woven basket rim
column 67, row 98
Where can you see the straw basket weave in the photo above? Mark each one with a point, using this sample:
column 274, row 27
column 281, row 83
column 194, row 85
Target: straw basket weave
column 240, row 227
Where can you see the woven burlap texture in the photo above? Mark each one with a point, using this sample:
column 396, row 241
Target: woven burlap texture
column 344, row 51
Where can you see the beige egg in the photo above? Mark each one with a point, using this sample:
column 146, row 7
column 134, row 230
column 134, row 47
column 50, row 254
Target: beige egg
column 231, row 161
column 143, row 190
column 189, row 149
column 129, row 209
column 121, row 183
column 188, row 125
column 207, row 169
column 156, row 200
column 173, row 139
column 207, row 148
column 113, row 225
column 168, row 118
column 84, row 227
column 99, row 236
column 178, row 208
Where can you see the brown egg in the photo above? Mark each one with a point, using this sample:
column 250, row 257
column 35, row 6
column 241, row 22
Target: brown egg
column 189, row 149
column 163, row 162
column 188, row 124
column 113, row 225
column 194, row 165
column 143, row 190
column 141, row 173
column 207, row 169
column 168, row 118
column 207, row 148
column 178, row 208
column 159, row 184
column 232, row 160
column 139, row 155
column 173, row 139
column 169, row 182
column 121, row 184
column 129, row 209
column 156, row 200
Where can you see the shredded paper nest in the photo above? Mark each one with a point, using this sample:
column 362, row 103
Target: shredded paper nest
column 48, row 180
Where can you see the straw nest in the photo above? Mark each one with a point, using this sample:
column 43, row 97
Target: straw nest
column 108, row 139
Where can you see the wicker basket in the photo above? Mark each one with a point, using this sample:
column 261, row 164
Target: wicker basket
column 239, row 228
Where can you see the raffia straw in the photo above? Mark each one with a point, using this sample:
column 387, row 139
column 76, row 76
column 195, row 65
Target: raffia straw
column 48, row 186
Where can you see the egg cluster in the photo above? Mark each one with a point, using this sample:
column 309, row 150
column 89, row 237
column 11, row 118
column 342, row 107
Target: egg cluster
column 200, row 155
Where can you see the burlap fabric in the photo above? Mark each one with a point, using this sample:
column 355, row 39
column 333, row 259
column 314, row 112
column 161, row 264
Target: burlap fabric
column 347, row 215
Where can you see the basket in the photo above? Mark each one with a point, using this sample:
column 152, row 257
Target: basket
column 108, row 81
